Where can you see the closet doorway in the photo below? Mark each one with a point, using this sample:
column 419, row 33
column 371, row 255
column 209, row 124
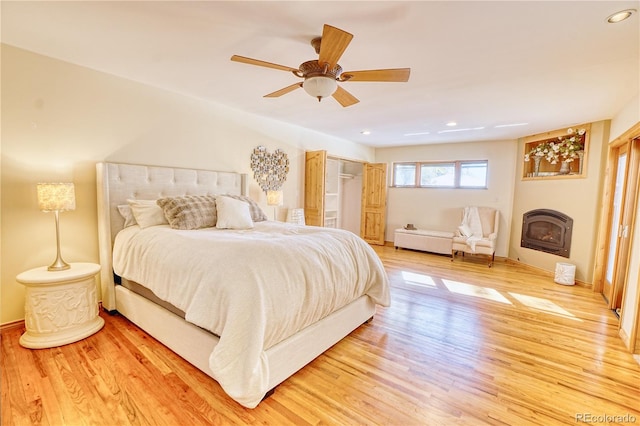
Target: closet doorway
column 345, row 194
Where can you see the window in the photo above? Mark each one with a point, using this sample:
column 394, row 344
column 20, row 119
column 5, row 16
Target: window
column 448, row 174
column 434, row 174
column 473, row 174
column 404, row 174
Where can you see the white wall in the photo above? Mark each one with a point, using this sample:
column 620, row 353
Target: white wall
column 59, row 119
column 351, row 203
column 440, row 208
column 625, row 119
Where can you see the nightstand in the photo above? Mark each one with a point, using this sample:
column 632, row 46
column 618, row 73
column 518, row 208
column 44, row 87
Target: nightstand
column 61, row 307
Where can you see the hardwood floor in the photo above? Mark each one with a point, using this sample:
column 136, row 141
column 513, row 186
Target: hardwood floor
column 461, row 344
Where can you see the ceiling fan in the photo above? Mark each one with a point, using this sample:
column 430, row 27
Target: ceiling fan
column 321, row 76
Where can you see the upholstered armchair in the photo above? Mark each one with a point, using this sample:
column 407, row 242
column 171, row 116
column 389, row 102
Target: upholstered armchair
column 478, row 232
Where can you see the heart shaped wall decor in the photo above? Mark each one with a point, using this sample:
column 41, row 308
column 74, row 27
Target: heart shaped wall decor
column 269, row 170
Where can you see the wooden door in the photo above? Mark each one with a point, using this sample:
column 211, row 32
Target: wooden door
column 622, row 211
column 314, row 180
column 374, row 203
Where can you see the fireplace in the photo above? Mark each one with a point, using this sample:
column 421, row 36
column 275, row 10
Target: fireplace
column 548, row 231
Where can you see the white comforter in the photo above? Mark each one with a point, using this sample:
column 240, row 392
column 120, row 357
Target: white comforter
column 253, row 288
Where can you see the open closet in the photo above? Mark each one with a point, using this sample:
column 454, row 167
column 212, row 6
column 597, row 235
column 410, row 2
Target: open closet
column 345, row 194
column 343, row 191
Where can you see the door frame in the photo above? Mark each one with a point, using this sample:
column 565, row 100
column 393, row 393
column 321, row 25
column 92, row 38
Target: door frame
column 628, row 207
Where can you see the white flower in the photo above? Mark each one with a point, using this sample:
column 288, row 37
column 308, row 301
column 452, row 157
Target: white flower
column 564, row 149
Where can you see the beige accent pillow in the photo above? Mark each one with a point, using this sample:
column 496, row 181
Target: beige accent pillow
column 147, row 213
column 189, row 211
column 233, row 213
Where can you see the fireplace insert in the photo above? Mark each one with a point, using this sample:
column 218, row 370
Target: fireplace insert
column 548, row 231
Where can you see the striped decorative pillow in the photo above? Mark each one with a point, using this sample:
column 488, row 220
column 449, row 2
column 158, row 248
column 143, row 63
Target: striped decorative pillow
column 189, row 211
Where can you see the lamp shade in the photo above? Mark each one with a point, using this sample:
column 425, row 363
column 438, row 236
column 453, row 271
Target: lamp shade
column 320, row 86
column 56, row 197
column 274, row 198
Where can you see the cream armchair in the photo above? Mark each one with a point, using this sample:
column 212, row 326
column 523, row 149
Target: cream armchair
column 477, row 233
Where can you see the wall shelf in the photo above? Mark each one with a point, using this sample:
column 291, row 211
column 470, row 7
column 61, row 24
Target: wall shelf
column 545, row 170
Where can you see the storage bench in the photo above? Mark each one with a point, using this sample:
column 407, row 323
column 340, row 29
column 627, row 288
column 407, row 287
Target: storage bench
column 425, row 240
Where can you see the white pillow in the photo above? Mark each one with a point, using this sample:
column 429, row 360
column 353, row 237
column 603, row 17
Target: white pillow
column 465, row 230
column 127, row 215
column 233, row 214
column 147, row 213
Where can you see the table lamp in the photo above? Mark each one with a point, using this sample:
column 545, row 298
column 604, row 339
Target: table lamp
column 57, row 197
column 274, row 198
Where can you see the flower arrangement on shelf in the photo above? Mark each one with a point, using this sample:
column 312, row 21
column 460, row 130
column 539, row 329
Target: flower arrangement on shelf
column 566, row 149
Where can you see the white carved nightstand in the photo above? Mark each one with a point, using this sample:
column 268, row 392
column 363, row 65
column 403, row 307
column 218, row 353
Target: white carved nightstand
column 61, row 307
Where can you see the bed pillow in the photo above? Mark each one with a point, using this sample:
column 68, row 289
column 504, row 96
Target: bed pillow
column 233, row 213
column 465, row 230
column 189, row 211
column 127, row 215
column 147, row 213
column 257, row 215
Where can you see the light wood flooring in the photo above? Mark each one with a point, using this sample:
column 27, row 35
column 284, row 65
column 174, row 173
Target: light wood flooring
column 461, row 344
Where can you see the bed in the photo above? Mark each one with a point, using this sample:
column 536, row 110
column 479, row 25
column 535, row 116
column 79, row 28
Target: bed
column 249, row 344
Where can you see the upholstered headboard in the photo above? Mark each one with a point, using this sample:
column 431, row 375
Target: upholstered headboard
column 117, row 183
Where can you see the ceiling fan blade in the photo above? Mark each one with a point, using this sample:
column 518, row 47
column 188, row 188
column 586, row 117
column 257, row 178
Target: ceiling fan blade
column 334, row 43
column 283, row 91
column 393, row 75
column 260, row 63
column 344, row 98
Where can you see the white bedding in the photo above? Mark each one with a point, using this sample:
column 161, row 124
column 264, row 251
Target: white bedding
column 253, row 288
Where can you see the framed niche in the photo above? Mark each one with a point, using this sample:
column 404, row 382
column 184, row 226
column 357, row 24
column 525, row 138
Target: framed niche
column 558, row 154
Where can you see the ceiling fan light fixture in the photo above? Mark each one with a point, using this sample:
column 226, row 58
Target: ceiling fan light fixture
column 321, row 76
column 320, row 86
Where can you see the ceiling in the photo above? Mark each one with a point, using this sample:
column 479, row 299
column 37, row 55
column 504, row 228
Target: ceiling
column 480, row 64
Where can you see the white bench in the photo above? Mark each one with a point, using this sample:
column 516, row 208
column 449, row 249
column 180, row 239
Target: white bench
column 424, row 240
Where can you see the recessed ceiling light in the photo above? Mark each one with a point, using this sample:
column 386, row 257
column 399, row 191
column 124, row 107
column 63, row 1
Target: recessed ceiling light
column 452, row 123
column 366, row 132
column 620, row 16
column 460, row 130
column 416, row 134
column 510, row 125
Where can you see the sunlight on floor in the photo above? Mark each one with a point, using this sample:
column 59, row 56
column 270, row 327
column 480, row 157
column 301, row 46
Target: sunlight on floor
column 419, row 279
column 457, row 287
column 542, row 305
column 476, row 291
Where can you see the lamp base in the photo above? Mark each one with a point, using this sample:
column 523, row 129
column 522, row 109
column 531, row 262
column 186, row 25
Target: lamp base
column 58, row 265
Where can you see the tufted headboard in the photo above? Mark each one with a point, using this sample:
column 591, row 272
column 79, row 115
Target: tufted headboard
column 117, row 183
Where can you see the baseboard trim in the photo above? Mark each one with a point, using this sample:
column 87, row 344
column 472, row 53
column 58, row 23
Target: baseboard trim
column 11, row 325
column 544, row 272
